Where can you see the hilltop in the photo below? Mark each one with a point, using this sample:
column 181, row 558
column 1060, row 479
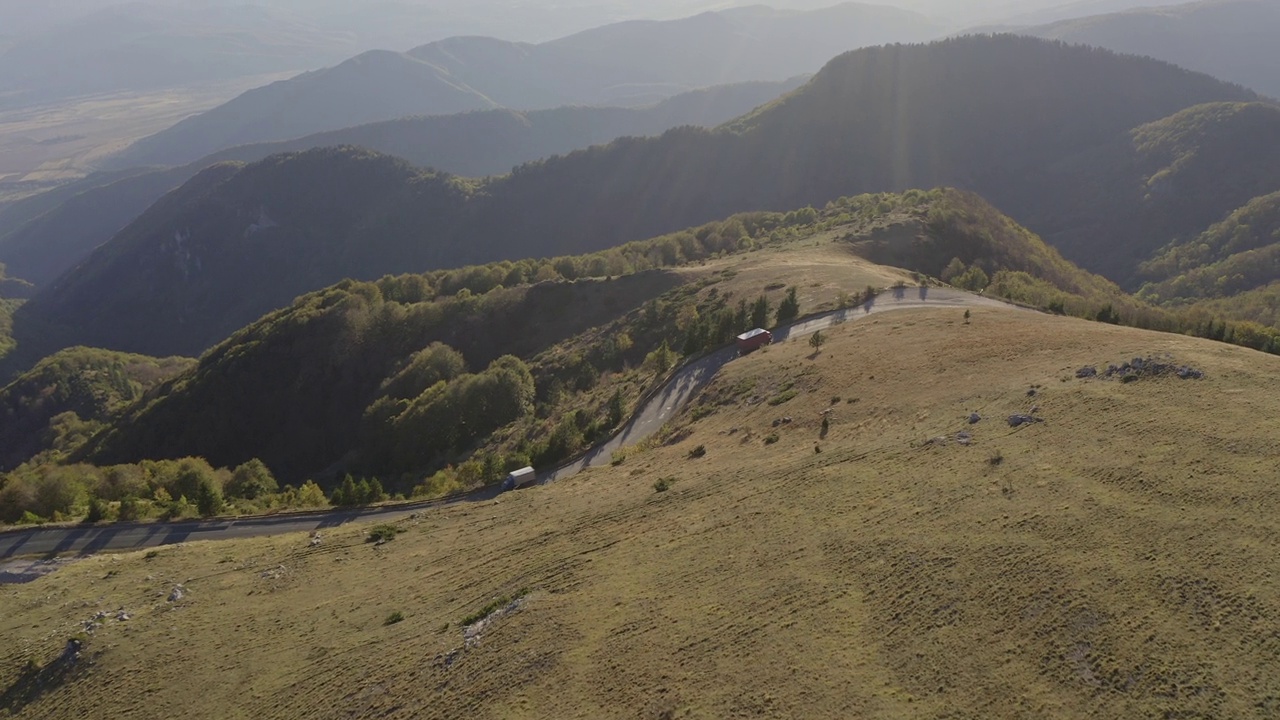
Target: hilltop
column 357, row 378
column 629, row 63
column 69, row 396
column 1003, row 117
column 46, row 235
column 1229, row 39
column 1112, row 560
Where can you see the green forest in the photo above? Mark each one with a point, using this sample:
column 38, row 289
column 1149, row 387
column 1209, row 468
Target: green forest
column 1108, row 183
column 422, row 385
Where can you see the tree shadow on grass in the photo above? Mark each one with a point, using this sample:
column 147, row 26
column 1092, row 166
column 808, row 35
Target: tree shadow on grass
column 37, row 680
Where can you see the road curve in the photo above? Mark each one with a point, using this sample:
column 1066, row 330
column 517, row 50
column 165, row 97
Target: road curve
column 659, row 408
column 691, row 379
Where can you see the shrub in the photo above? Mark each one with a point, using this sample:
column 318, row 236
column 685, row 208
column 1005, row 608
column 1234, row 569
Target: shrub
column 251, row 481
column 782, row 397
column 394, row 618
column 663, row 484
column 494, row 606
column 703, row 411
column 996, row 458
column 130, row 509
column 816, row 340
column 771, row 439
column 384, row 533
column 30, row 518
column 97, row 511
column 698, row 452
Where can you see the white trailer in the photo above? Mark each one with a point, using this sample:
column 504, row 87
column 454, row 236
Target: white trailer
column 523, row 477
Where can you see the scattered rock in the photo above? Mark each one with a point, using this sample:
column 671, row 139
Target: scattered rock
column 974, row 418
column 177, row 593
column 122, row 616
column 1150, row 367
column 1020, row 420
column 315, row 537
column 964, row 438
column 1031, row 392
column 1087, row 372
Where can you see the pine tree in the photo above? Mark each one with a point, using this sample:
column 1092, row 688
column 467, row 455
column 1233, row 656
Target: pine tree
column 760, row 312
column 789, row 308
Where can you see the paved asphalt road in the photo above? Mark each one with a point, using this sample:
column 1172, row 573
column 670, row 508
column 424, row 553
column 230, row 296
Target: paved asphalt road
column 661, row 407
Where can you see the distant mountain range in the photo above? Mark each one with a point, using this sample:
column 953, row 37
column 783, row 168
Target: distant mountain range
column 46, row 235
column 630, row 63
column 56, row 49
column 141, row 46
column 1084, row 146
column 1230, row 39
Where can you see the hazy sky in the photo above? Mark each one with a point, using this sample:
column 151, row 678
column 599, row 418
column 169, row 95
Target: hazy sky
column 19, row 16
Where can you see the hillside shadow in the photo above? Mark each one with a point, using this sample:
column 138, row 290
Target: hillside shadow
column 36, row 680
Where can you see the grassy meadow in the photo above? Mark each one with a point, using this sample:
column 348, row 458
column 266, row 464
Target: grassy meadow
column 1114, row 560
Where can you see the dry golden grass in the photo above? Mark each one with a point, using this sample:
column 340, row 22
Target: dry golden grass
column 1118, row 562
column 820, row 267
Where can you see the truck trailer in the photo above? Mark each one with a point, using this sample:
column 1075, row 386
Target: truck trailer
column 524, row 477
column 753, row 339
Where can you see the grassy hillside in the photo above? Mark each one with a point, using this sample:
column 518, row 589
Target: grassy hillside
column 630, row 63
column 349, row 379
column 1230, row 39
column 1111, row 561
column 43, row 237
column 1003, row 117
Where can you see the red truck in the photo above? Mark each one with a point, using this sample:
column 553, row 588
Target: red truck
column 753, row 339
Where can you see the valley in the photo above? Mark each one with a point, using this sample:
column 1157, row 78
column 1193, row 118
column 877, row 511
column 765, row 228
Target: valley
column 46, row 145
column 768, row 362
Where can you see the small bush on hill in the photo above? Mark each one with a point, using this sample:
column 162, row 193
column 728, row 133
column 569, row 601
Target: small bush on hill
column 384, row 533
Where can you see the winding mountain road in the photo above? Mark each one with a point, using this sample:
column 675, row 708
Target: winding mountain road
column 659, row 408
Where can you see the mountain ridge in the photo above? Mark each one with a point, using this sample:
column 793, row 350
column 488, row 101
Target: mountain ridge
column 43, row 239
column 992, row 121
column 591, row 67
